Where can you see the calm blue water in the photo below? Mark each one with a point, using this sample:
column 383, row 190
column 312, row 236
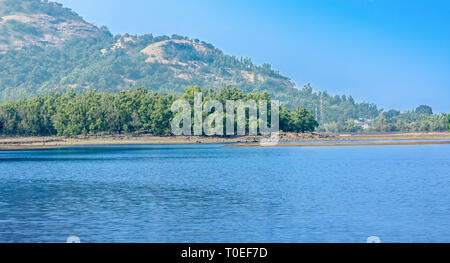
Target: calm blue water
column 207, row 193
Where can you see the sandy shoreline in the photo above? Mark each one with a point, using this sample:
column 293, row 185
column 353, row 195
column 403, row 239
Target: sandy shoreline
column 27, row 143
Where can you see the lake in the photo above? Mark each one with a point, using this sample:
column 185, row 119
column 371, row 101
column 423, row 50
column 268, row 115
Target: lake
column 208, row 193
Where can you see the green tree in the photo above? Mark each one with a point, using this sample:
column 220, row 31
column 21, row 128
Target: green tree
column 285, row 120
column 424, row 109
column 448, row 122
column 302, row 120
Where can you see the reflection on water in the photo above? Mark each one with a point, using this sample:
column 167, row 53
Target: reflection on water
column 207, row 193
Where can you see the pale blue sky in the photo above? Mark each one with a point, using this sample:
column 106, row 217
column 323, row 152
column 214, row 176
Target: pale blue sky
column 393, row 53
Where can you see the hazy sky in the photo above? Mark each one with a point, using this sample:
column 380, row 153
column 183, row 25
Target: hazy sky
column 393, row 53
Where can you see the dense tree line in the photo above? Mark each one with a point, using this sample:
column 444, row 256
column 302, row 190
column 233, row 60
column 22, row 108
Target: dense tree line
column 138, row 110
column 448, row 122
column 421, row 119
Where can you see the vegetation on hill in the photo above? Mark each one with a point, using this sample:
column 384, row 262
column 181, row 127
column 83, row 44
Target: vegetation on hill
column 138, row 110
column 97, row 63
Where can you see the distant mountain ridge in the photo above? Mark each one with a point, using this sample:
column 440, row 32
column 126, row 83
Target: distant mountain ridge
column 45, row 47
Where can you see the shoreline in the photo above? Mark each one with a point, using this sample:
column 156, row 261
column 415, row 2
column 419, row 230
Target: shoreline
column 51, row 142
column 36, row 143
column 341, row 144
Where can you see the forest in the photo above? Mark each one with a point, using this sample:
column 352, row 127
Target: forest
column 421, row 119
column 132, row 111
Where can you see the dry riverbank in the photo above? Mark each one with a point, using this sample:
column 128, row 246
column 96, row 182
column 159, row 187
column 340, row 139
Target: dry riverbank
column 22, row 143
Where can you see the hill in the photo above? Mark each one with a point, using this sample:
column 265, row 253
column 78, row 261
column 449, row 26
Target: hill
column 45, row 47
